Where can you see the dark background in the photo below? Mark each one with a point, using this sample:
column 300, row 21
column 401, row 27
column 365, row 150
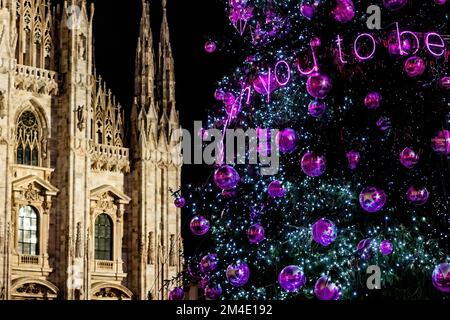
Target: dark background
column 191, row 23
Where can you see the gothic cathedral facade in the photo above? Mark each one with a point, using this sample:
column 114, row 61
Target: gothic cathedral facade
column 86, row 211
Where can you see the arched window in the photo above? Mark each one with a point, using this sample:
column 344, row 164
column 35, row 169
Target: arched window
column 103, row 238
column 28, row 231
column 28, row 140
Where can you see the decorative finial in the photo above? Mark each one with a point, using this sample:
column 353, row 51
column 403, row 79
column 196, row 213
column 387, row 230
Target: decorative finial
column 164, row 3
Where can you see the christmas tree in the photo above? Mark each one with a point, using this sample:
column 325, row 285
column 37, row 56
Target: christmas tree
column 360, row 98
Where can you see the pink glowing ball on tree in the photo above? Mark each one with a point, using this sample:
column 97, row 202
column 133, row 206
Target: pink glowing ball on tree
column 226, row 177
column 418, row 196
column 213, row 291
column 199, row 226
column 409, row 158
column 256, row 234
column 372, row 199
column 238, row 274
column 344, row 11
column 444, row 83
column 440, row 2
column 386, row 248
column 317, row 108
column 276, row 189
column 219, row 94
column 414, row 66
column 209, row 263
column 319, row 85
column 353, row 158
column 324, row 232
column 441, row 143
column 210, row 47
column 394, row 4
column 324, row 289
column 373, row 100
column 180, row 202
column 307, row 10
column 316, row 42
column 176, row 294
column 229, row 99
column 313, row 165
column 441, row 278
column 291, row 279
column 287, row 140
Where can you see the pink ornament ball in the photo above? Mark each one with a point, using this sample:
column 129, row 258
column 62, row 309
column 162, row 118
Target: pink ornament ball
column 213, row 291
column 238, row 274
column 226, row 177
column 319, row 85
column 287, row 140
column 441, row 143
column 408, row 158
column 324, row 289
column 418, row 196
column 313, row 165
column 372, row 199
column 210, row 47
column 256, row 234
column 353, row 158
column 441, row 278
column 444, row 83
column 291, row 279
column 209, row 263
column 180, row 202
column 386, row 248
column 344, row 11
column 394, row 4
column 176, row 294
column 199, row 225
column 229, row 99
column 307, row 10
column 373, row 100
column 440, row 2
column 219, row 95
column 276, row 189
column 317, row 108
column 414, row 66
column 324, row 232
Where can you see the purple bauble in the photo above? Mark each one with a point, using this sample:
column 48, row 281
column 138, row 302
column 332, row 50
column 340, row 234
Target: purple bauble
column 210, row 46
column 287, row 140
column 409, row 158
column 307, row 10
column 319, row 85
column 180, row 202
column 372, row 199
column 256, row 234
column 418, row 196
column 313, row 165
column 440, row 2
column 276, row 189
column 373, row 100
column 199, row 226
column 414, row 66
column 441, row 143
column 384, row 124
column 324, row 232
column 219, row 94
column 353, row 158
column 394, row 4
column 364, row 249
column 291, row 279
column 213, row 291
column 344, row 11
column 209, row 263
column 315, row 42
column 238, row 274
column 386, row 248
column 441, row 278
column 317, row 108
column 324, row 289
column 226, row 177
column 229, row 99
column 444, row 83
column 194, row 270
column 176, row 294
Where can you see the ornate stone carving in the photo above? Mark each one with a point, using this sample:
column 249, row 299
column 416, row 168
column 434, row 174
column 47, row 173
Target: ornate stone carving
column 78, row 244
column 150, row 249
column 106, row 202
column 81, row 118
column 33, row 289
column 110, row 293
column 172, row 257
column 2, row 104
column 31, row 194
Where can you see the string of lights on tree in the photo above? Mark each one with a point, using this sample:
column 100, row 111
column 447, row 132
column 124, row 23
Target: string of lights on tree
column 363, row 144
